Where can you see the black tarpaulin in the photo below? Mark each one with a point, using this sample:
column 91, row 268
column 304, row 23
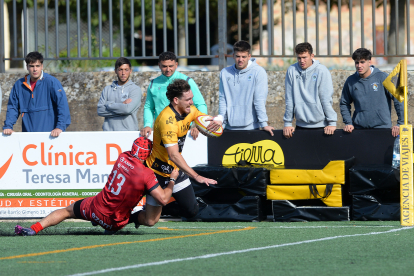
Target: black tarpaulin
column 365, row 179
column 288, row 211
column 243, row 181
column 248, row 208
column 367, row 207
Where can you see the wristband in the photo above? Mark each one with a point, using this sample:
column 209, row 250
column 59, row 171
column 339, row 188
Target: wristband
column 173, row 180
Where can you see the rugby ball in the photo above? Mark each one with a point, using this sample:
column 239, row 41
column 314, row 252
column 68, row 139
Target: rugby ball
column 202, row 124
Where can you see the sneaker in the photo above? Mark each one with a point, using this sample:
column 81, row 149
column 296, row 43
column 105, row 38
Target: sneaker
column 18, row 230
column 137, row 225
column 94, row 223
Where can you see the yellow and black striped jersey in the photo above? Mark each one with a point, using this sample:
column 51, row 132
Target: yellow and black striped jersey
column 169, row 128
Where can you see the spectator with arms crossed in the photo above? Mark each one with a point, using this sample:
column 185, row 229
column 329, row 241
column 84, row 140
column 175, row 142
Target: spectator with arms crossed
column 371, row 100
column 40, row 99
column 308, row 94
column 243, row 92
column 111, row 208
column 120, row 101
column 156, row 93
column 170, row 132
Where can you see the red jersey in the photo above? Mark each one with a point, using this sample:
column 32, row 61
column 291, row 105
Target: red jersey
column 126, row 185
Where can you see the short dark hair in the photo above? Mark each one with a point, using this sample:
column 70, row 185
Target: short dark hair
column 167, row 56
column 241, row 46
column 304, row 47
column 177, row 88
column 32, row 57
column 121, row 61
column 362, row 53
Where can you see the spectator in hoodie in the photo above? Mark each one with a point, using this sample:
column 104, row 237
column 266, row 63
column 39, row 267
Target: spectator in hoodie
column 40, row 99
column 243, row 92
column 157, row 93
column 120, row 101
column 308, row 94
column 371, row 100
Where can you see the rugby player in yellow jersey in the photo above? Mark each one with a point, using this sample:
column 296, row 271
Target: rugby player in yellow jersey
column 170, row 131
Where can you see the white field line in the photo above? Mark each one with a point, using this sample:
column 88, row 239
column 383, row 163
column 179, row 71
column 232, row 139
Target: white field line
column 234, row 252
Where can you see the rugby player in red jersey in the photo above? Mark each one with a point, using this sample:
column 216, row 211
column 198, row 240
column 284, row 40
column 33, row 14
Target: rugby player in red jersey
column 128, row 182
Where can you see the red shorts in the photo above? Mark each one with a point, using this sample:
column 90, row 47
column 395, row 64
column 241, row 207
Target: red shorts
column 89, row 212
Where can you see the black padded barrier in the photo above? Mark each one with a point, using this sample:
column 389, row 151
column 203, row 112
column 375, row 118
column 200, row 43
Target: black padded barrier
column 239, row 194
column 311, row 148
column 288, row 211
column 232, row 182
column 367, row 179
column 248, row 208
column 367, row 207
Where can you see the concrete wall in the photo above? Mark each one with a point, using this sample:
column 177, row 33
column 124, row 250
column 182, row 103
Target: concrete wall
column 84, row 89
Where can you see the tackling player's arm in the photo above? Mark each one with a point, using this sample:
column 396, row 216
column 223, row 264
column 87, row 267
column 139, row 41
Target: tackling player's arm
column 163, row 195
column 178, row 160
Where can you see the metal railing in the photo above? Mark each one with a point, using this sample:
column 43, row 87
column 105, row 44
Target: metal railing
column 189, row 29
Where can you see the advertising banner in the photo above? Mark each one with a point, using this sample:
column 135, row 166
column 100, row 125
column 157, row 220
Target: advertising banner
column 40, row 173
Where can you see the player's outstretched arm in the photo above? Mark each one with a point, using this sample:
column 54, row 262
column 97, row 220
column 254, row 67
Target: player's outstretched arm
column 178, row 160
column 164, row 195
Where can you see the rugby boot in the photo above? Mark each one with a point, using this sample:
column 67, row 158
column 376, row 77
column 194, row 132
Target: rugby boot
column 18, row 230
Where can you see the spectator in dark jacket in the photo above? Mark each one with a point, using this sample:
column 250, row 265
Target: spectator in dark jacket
column 371, row 100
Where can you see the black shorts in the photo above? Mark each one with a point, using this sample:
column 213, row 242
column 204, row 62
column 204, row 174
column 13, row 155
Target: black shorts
column 77, row 210
column 182, row 178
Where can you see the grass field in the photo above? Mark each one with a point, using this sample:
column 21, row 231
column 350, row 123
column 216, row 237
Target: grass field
column 199, row 248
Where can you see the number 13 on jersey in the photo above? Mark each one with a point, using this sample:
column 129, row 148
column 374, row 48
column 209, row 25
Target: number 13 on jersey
column 120, row 180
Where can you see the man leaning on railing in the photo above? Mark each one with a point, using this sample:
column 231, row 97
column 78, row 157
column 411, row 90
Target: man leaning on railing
column 371, row 100
column 243, row 92
column 40, row 99
column 308, row 94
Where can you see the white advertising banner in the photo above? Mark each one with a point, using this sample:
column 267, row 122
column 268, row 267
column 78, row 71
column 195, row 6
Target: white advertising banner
column 40, row 173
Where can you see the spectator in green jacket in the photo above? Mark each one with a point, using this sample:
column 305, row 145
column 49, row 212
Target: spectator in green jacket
column 156, row 94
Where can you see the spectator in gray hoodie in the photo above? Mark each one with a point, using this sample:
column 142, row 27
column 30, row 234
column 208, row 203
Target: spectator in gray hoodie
column 371, row 100
column 120, row 101
column 308, row 94
column 243, row 92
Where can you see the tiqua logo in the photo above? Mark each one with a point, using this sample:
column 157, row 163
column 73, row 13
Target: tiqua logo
column 262, row 152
